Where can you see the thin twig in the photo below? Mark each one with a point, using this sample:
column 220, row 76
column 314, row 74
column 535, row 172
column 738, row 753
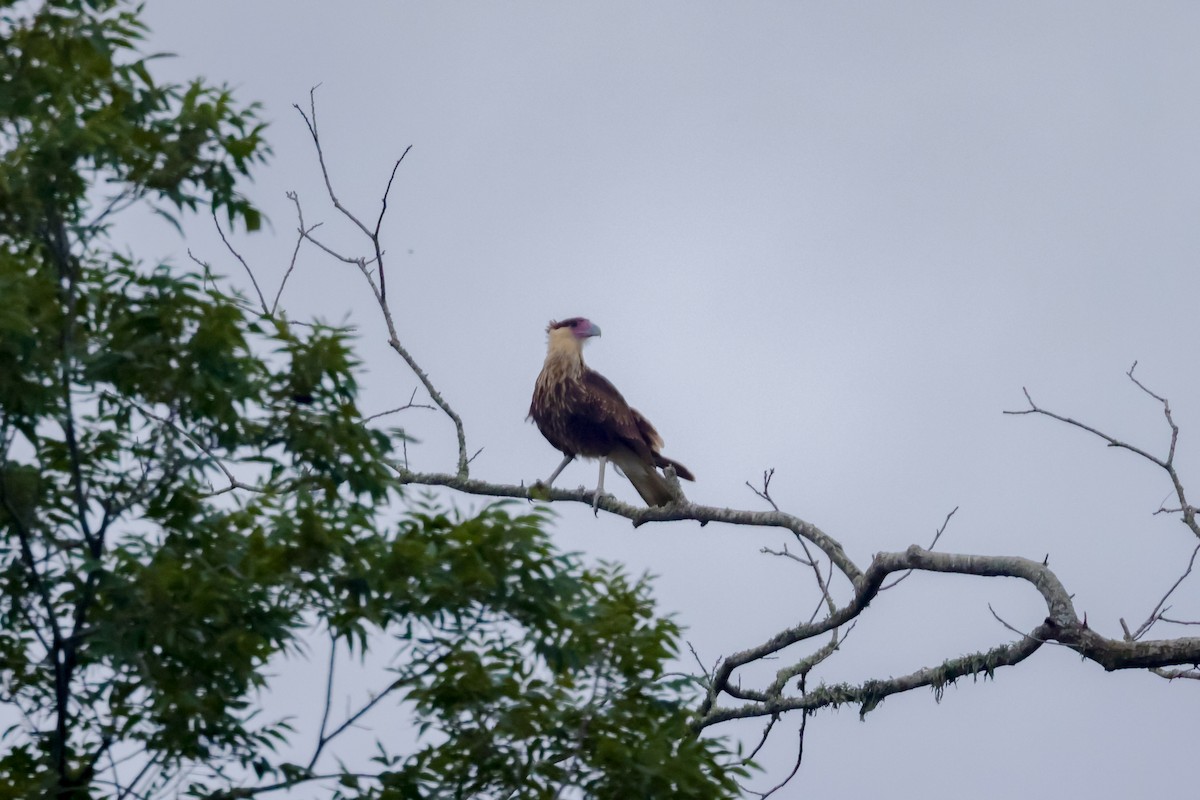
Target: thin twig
column 1158, row 609
column 1112, row 441
column 310, row 120
column 762, row 739
column 405, row 407
column 312, row 130
column 1007, row 624
column 261, row 300
column 362, row 711
column 379, row 222
column 826, row 599
column 808, row 560
column 234, row 483
column 799, row 759
column 765, row 492
column 936, row 536
column 785, row 553
column 703, row 670
column 303, row 233
column 321, row 739
column 1168, row 465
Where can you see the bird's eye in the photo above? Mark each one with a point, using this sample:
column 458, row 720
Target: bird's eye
column 572, row 324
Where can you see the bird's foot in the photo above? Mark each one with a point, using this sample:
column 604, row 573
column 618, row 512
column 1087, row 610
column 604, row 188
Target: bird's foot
column 538, row 490
column 596, row 501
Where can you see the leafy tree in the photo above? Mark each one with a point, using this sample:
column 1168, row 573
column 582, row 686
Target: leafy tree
column 187, row 487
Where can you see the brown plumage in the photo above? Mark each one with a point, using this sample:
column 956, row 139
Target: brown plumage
column 582, row 414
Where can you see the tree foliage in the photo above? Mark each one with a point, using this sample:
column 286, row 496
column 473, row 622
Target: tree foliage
column 188, row 490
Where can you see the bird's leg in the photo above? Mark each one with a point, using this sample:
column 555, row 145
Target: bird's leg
column 599, row 488
column 566, row 460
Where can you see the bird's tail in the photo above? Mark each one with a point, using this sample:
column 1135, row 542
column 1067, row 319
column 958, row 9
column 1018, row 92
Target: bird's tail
column 680, row 470
column 650, row 484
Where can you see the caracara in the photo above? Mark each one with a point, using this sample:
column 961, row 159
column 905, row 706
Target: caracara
column 582, row 414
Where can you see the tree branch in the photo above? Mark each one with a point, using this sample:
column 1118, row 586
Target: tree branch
column 1062, row 623
column 310, row 120
column 1187, row 511
column 261, row 300
column 640, row 515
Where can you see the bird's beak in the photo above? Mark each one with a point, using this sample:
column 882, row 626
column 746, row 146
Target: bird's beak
column 595, row 331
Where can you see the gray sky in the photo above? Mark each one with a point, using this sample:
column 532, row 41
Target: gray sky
column 835, row 239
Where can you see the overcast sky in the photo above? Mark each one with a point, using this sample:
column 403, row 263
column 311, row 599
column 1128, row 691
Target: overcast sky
column 835, row 239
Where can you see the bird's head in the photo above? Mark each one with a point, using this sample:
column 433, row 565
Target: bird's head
column 566, row 339
column 577, row 327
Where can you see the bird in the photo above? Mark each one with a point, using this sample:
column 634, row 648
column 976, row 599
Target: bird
column 582, row 414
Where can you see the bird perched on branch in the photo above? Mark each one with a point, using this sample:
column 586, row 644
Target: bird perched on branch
column 582, row 414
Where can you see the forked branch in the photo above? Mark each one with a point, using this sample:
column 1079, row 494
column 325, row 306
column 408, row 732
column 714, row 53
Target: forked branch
column 1167, row 464
column 377, row 289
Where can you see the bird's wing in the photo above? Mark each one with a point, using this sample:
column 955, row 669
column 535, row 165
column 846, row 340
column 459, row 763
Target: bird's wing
column 602, row 405
column 647, row 431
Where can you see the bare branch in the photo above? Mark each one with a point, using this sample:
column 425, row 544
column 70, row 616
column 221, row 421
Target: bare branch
column 405, row 407
column 869, row 694
column 809, row 561
column 312, row 130
column 261, row 300
column 379, row 222
column 1168, row 465
column 1155, row 615
column 765, row 492
column 823, row 585
column 116, row 204
column 805, row 665
column 799, row 759
column 703, row 670
column 785, row 553
column 302, row 234
column 762, row 739
column 1188, row 512
column 936, row 536
column 1062, row 624
column 321, row 738
column 310, row 120
column 1112, row 442
column 640, row 515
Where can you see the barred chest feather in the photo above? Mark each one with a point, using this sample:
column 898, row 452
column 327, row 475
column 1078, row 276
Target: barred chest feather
column 551, row 405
